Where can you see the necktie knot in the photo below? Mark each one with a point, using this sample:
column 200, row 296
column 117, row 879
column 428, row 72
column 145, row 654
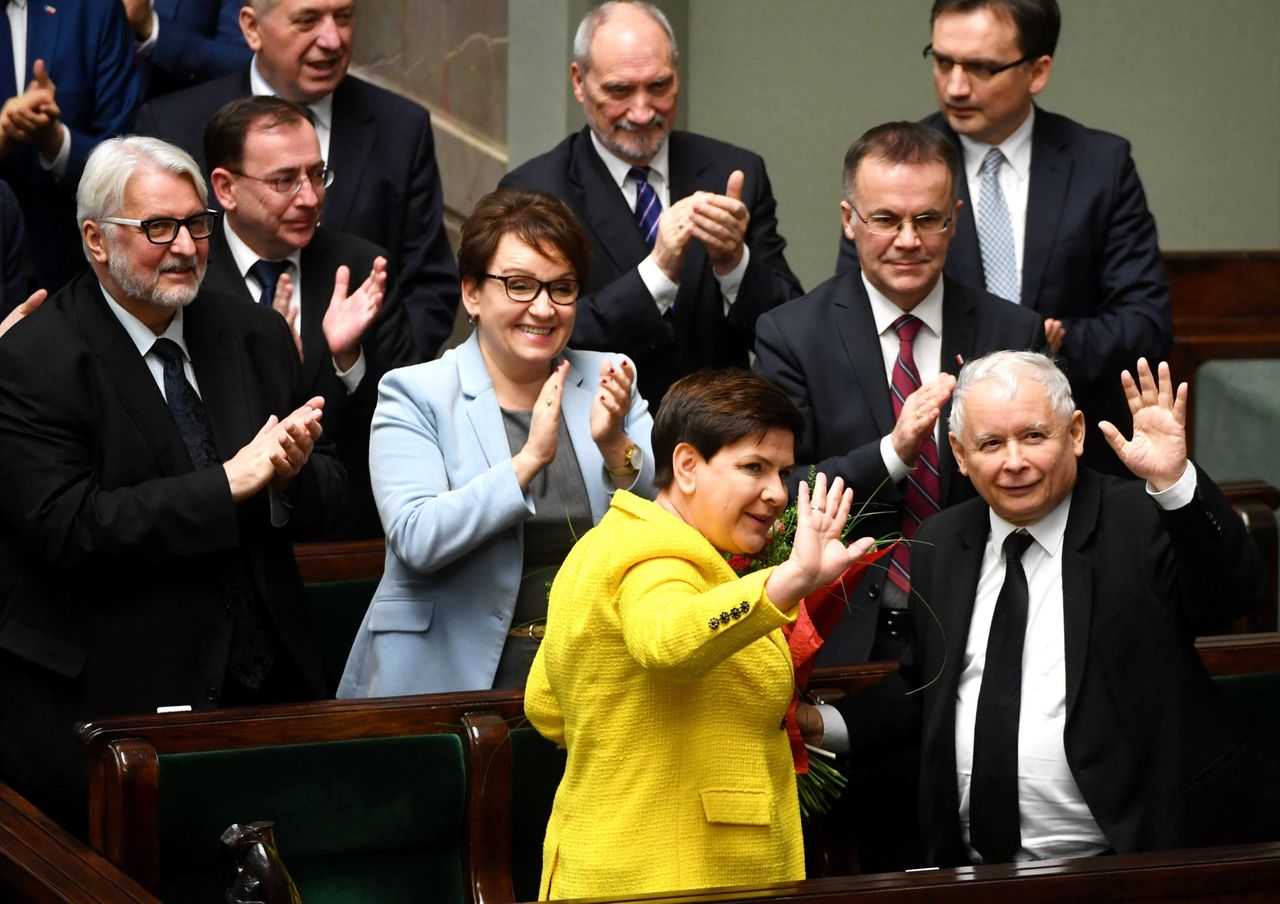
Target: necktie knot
column 1016, row 544
column 991, row 162
column 907, row 326
column 168, row 351
column 267, row 273
column 640, row 174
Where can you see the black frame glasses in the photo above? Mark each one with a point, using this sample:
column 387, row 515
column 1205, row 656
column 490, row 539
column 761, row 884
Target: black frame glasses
column 292, row 183
column 163, row 230
column 524, row 296
column 878, row 223
column 978, row 68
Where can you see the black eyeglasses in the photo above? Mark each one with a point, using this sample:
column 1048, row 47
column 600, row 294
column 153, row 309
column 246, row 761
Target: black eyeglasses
column 525, row 289
column 887, row 224
column 321, row 177
column 979, row 69
column 163, row 230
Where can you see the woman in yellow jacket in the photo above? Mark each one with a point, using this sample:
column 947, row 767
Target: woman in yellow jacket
column 666, row 676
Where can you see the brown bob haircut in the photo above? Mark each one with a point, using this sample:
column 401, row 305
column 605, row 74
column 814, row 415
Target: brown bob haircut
column 712, row 409
column 225, row 134
column 540, row 220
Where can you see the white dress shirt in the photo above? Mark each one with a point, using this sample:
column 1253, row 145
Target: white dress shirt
column 321, row 109
column 1014, row 178
column 17, row 12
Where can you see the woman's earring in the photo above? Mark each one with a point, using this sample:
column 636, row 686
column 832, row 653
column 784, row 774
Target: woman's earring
column 471, row 320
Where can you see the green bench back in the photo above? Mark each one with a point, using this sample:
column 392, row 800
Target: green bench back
column 1255, row 699
column 336, row 609
column 537, row 766
column 369, row 821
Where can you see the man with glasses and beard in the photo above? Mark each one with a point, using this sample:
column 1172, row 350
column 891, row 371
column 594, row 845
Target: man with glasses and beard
column 160, row 463
column 685, row 251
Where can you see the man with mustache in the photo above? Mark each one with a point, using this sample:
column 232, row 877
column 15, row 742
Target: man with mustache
column 1055, row 218
column 271, row 180
column 386, row 186
column 161, row 463
column 685, row 248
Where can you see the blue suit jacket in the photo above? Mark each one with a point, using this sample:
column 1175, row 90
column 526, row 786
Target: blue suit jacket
column 198, row 40
column 1091, row 259
column 88, row 51
column 618, row 312
column 452, row 510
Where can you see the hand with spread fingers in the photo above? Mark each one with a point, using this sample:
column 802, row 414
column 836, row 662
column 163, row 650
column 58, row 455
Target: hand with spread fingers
column 349, row 316
column 609, row 411
column 818, row 555
column 1157, row 452
column 544, row 429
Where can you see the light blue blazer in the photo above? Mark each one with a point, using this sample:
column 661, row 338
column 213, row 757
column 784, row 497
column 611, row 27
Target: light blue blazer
column 453, row 515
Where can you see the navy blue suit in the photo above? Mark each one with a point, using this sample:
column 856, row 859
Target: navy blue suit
column 199, row 40
column 88, row 51
column 1091, row 259
column 823, row 351
column 617, row 313
column 15, row 267
column 386, row 189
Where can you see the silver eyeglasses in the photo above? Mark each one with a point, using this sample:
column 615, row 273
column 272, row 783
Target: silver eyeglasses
column 291, row 184
column 887, row 224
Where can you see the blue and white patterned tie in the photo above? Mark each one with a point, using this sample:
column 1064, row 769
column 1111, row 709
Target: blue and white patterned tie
column 648, row 207
column 995, row 232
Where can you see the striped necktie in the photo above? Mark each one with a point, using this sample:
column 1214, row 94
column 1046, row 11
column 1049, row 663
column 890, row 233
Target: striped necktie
column 648, row 207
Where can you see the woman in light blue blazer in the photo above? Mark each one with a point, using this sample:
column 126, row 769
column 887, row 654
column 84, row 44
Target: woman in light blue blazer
column 487, row 463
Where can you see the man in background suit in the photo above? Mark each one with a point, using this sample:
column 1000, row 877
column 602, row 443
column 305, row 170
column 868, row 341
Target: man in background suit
column 1078, row 244
column 834, row 352
column 679, row 285
column 160, row 466
column 386, row 186
column 1066, row 711
column 184, row 42
column 75, row 62
column 269, row 177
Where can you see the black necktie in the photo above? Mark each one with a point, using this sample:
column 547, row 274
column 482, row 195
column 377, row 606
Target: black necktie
column 993, row 790
column 8, row 87
column 267, row 273
column 188, row 410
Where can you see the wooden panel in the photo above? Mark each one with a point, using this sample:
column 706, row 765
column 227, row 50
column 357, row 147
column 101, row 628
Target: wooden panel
column 347, row 561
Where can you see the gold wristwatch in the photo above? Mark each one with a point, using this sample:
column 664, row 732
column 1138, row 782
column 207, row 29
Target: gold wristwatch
column 631, row 466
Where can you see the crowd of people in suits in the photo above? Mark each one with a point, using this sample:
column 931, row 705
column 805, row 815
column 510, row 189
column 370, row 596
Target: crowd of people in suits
column 222, row 335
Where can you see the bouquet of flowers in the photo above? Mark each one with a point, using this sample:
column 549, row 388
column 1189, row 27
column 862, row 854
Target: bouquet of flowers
column 818, row 782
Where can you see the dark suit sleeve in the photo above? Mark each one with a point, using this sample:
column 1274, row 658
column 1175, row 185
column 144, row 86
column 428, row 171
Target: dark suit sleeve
column 779, row 360
column 846, row 256
column 14, row 266
column 115, row 86
column 198, row 54
column 768, row 281
column 1132, row 317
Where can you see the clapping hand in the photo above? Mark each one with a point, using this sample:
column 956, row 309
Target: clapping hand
column 349, row 316
column 544, row 429
column 818, row 555
column 1157, row 452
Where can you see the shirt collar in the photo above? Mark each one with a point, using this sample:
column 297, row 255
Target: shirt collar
column 1016, row 149
column 245, row 257
column 885, row 312
column 322, row 109
column 140, row 333
column 1048, row 531
column 20, row 4
column 619, row 168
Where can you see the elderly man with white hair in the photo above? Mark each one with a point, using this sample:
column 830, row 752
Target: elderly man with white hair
column 159, row 467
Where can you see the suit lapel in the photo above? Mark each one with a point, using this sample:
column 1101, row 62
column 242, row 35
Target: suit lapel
column 1050, row 174
column 958, row 344
column 1077, row 579
column 129, row 375
column 215, row 358
column 44, row 27
column 222, row 274
column 603, row 208
column 317, row 287
column 483, row 412
column 964, row 256
column 690, row 172
column 857, row 329
column 351, row 138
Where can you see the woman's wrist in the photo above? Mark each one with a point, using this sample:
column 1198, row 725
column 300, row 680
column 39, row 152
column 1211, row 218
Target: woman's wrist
column 614, row 451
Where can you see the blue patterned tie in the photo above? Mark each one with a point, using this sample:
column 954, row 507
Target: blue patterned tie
column 648, row 207
column 995, row 232
column 187, row 408
column 267, row 273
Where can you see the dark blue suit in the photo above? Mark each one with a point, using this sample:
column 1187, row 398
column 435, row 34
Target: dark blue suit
column 199, row 40
column 88, row 51
column 386, row 190
column 1091, row 259
column 15, row 267
column 618, row 313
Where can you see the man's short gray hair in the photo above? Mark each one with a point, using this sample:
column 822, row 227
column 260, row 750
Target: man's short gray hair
column 598, row 16
column 1007, row 368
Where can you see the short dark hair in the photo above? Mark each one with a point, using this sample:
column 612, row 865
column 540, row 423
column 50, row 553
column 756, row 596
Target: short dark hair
column 227, row 129
column 711, row 409
column 902, row 142
column 1037, row 21
column 540, row 220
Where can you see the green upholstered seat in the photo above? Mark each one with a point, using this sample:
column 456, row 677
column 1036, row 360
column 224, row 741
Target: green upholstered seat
column 336, row 609
column 356, row 822
column 1255, row 699
column 537, row 766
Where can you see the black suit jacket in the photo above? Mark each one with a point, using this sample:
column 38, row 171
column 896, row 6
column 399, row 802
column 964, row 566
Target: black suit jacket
column 1158, row 757
column 386, row 345
column 617, row 313
column 1091, row 259
column 118, row 561
column 823, row 350
column 386, row 187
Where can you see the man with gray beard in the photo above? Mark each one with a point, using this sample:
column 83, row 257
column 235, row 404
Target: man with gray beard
column 160, row 466
column 685, row 251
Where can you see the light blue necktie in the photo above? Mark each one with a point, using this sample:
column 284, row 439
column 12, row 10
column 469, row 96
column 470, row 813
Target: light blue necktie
column 995, row 232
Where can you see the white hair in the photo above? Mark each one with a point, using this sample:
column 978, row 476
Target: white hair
column 113, row 163
column 1007, row 368
column 595, row 18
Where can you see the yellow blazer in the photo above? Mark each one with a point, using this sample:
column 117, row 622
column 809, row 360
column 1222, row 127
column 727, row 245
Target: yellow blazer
column 668, row 679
